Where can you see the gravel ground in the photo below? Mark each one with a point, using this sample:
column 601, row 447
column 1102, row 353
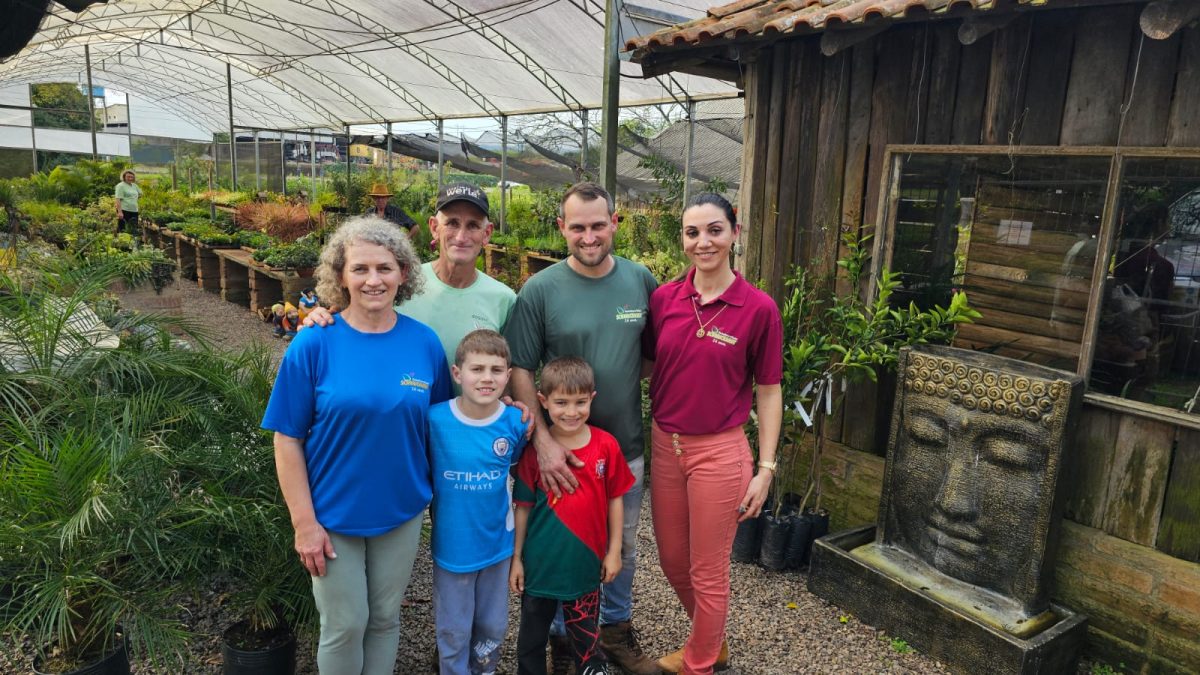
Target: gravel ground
column 776, row 627
column 223, row 323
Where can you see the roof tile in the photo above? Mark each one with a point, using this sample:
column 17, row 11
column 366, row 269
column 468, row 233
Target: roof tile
column 744, row 19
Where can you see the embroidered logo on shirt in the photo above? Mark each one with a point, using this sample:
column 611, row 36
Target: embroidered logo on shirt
column 629, row 314
column 718, row 336
column 411, row 380
column 500, row 446
column 482, row 322
column 600, row 468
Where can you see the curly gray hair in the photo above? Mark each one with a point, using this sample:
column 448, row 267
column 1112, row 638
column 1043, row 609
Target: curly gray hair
column 369, row 230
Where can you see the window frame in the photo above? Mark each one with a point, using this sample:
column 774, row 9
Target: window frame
column 885, row 234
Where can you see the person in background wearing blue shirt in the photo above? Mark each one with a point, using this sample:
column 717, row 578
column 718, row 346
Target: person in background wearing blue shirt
column 473, row 441
column 349, row 411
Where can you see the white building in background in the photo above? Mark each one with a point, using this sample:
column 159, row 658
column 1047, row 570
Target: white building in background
column 116, row 117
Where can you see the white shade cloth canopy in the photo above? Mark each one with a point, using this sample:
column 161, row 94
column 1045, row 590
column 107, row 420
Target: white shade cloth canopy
column 327, row 63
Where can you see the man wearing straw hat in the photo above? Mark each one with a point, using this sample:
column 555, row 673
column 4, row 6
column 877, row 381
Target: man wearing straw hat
column 381, row 194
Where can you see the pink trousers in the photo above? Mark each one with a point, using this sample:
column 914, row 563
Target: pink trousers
column 695, row 489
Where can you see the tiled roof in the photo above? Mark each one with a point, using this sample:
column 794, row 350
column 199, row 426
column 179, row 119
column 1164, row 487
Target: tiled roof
column 748, row 19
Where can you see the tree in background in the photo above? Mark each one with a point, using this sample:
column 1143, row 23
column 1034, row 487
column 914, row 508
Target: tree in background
column 62, row 96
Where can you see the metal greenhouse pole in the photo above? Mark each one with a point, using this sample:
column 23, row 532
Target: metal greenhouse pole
column 312, row 161
column 348, row 204
column 389, row 152
column 91, row 98
column 611, row 97
column 583, row 146
column 687, row 158
column 232, row 136
column 283, row 163
column 441, row 156
column 257, row 164
column 503, row 173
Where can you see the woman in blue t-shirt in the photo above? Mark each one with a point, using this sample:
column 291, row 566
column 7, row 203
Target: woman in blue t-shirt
column 348, row 411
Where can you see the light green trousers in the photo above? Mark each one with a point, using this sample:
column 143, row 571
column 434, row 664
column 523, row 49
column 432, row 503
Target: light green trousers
column 359, row 600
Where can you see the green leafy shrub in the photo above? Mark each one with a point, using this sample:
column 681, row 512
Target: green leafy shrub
column 831, row 338
column 125, row 466
column 252, row 239
column 296, row 255
column 206, row 233
column 50, row 220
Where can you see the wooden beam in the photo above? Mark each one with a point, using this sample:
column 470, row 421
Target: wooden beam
column 718, row 70
column 1162, row 18
column 975, row 27
column 834, row 41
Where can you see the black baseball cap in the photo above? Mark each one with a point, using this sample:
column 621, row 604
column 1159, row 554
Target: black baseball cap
column 463, row 192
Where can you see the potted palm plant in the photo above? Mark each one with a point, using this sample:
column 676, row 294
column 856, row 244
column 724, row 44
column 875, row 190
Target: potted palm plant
column 104, row 475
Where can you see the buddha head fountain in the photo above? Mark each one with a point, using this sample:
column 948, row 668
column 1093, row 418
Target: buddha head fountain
column 969, row 511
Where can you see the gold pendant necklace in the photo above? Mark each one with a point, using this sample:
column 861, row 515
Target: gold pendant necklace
column 703, row 325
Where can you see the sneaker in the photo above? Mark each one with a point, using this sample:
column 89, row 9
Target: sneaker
column 620, row 643
column 562, row 660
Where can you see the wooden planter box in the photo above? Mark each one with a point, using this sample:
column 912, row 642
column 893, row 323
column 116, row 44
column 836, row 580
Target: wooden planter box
column 496, row 258
column 254, row 285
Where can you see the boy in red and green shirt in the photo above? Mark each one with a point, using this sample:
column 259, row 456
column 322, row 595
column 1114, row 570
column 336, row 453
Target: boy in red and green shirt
column 565, row 547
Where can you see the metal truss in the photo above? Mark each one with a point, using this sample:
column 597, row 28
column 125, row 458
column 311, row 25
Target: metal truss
column 510, row 49
column 207, row 79
column 419, row 53
column 248, row 12
column 203, row 26
column 142, row 36
column 174, row 70
column 199, row 118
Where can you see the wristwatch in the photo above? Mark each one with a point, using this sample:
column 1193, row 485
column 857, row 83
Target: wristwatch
column 770, row 466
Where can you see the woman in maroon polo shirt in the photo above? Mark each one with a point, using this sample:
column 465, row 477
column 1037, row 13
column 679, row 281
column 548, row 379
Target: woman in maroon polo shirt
column 717, row 344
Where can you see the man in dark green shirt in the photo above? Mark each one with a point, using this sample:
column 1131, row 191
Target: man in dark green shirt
column 592, row 305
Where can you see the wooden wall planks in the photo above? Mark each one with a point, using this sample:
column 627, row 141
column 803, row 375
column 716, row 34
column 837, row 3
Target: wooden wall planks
column 1179, row 529
column 1097, row 83
column 1052, row 77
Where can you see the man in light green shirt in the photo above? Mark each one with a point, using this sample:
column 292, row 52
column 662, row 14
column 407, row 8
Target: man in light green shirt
column 127, row 193
column 457, row 298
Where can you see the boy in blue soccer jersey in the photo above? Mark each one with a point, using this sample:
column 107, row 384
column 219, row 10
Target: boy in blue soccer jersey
column 473, row 441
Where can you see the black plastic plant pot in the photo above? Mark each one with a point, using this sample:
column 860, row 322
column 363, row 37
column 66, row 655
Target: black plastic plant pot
column 799, row 540
column 775, row 531
column 819, row 527
column 747, row 540
column 248, row 652
column 115, row 663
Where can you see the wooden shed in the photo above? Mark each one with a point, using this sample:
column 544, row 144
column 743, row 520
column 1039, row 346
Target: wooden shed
column 1043, row 155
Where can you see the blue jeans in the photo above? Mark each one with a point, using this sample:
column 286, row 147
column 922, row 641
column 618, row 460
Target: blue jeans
column 616, row 597
column 471, row 615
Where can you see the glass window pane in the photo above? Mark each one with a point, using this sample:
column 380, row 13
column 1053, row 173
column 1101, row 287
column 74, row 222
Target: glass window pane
column 1148, row 341
column 1017, row 233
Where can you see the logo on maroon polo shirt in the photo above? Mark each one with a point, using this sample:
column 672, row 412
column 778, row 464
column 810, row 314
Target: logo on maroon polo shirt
column 628, row 314
column 720, row 337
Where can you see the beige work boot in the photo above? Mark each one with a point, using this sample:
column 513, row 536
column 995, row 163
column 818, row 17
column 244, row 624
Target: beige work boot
column 619, row 641
column 673, row 662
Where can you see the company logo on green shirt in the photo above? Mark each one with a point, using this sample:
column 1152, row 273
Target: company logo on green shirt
column 628, row 314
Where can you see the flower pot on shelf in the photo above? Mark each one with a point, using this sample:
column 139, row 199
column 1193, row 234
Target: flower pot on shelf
column 246, row 651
